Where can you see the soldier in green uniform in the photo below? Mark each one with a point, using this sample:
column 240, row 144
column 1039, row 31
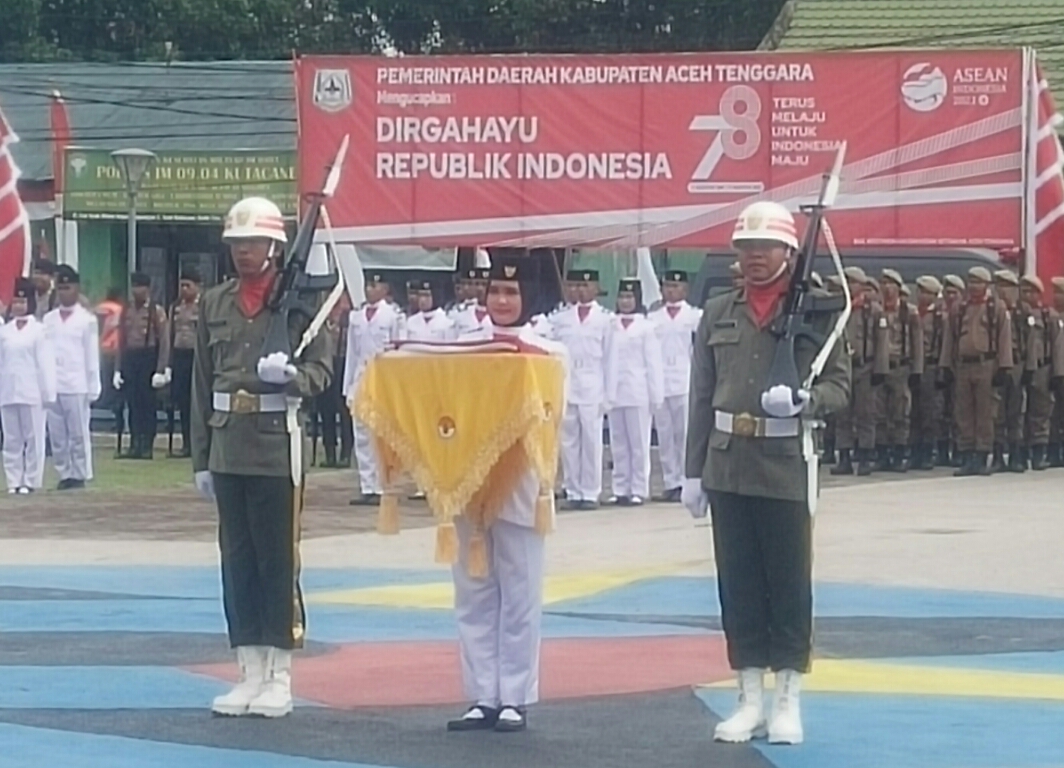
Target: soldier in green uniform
column 244, row 436
column 744, row 460
column 953, row 290
column 899, row 366
column 855, row 425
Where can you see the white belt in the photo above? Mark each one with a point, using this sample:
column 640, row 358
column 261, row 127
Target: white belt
column 746, row 425
column 245, row 402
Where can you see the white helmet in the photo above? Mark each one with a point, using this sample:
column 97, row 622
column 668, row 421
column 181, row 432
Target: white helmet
column 766, row 220
column 254, row 217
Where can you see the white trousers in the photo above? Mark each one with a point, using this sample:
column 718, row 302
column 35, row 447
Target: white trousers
column 582, row 452
column 68, row 428
column 630, row 448
column 671, row 422
column 369, row 479
column 499, row 616
column 23, row 445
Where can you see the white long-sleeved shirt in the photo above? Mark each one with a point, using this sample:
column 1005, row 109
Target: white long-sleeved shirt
column 75, row 341
column 676, row 329
column 637, row 369
column 433, row 325
column 589, row 342
column 27, row 364
column 371, row 329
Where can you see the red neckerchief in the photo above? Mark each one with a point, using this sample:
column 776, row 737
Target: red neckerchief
column 582, row 311
column 371, row 310
column 673, row 310
column 481, row 313
column 251, row 292
column 626, row 321
column 65, row 313
column 762, row 299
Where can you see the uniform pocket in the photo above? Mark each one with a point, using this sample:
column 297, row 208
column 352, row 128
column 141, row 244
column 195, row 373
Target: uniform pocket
column 219, row 332
column 719, row 441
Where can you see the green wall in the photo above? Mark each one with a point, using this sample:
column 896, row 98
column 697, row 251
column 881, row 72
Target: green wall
column 101, row 258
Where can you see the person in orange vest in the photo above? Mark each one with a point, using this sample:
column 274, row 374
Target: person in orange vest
column 109, row 319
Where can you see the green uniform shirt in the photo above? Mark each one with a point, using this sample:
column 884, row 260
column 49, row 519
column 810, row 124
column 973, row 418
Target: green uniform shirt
column 729, row 371
column 228, row 348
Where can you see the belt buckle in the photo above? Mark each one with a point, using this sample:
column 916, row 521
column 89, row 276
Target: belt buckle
column 244, row 402
column 744, row 425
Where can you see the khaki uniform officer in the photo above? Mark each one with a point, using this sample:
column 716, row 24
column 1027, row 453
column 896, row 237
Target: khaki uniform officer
column 927, row 397
column 899, row 366
column 953, row 291
column 1009, row 397
column 1043, row 367
column 1056, row 423
column 976, row 356
column 855, row 425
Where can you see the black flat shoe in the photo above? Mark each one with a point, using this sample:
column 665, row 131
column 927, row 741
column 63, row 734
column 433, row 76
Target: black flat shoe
column 366, row 500
column 511, row 720
column 476, row 718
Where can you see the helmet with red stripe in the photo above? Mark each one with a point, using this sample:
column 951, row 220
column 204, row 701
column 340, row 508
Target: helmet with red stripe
column 254, row 217
column 766, row 220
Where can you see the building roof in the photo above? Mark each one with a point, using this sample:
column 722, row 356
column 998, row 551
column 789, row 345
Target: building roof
column 845, row 24
column 193, row 106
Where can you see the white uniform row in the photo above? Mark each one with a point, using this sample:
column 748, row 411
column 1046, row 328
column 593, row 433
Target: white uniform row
column 633, row 369
column 49, row 374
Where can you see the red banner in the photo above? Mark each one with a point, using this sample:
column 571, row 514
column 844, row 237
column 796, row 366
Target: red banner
column 653, row 150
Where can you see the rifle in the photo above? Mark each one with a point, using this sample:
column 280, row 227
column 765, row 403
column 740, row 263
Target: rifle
column 793, row 323
column 296, row 291
column 799, row 304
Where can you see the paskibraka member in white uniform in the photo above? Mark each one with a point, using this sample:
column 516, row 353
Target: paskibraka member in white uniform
column 499, row 616
column 635, row 389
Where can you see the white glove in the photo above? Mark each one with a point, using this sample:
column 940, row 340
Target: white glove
column 160, row 380
column 116, row 380
column 694, row 497
column 275, row 368
column 205, row 485
column 779, row 401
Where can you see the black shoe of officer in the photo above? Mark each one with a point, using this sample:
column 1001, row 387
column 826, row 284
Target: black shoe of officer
column 476, row 718
column 998, row 462
column 924, row 457
column 943, row 459
column 899, row 461
column 958, row 457
column 1039, row 460
column 882, row 459
column 980, row 464
column 967, row 467
column 1017, row 459
column 830, row 457
column 845, row 464
column 864, row 462
column 1055, row 455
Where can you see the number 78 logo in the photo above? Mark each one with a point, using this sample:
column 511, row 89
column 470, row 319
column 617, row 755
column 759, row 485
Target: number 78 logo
column 729, row 122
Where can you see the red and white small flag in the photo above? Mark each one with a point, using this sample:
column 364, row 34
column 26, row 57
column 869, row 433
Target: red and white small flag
column 14, row 221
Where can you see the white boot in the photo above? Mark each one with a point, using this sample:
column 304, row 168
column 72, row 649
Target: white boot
column 276, row 697
column 252, row 661
column 785, row 727
column 748, row 722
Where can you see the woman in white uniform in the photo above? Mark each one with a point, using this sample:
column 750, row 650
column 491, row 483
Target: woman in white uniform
column 637, row 388
column 27, row 385
column 499, row 616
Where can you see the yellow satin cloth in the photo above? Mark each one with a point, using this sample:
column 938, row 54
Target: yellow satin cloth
column 466, row 427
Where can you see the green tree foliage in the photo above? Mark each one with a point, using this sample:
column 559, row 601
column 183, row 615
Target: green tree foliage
column 128, row 30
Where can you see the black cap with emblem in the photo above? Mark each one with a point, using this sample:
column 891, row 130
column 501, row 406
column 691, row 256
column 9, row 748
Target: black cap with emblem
column 66, row 275
column 527, row 272
column 25, row 289
column 633, row 286
column 675, row 276
column 582, row 276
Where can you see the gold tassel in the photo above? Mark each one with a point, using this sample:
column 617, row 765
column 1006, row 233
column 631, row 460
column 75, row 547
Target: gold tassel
column 477, row 565
column 388, row 515
column 446, row 544
column 544, row 513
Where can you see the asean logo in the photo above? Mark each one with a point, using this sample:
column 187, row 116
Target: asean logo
column 923, row 88
column 446, row 428
column 332, row 90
